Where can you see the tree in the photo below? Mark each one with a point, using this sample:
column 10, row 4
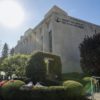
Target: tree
column 0, row 46
column 90, row 54
column 5, row 51
column 15, row 65
column 12, row 52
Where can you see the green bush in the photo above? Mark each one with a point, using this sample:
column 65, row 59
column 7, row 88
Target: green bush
column 90, row 54
column 45, row 93
column 37, row 67
column 74, row 88
column 8, row 89
column 87, row 79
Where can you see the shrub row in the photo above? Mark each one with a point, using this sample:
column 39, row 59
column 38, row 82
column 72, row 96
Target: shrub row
column 51, row 93
column 12, row 91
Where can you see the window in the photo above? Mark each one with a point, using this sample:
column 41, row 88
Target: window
column 42, row 43
column 50, row 41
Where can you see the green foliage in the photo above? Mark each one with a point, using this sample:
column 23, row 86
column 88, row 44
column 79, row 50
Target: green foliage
column 87, row 79
column 90, row 54
column 8, row 89
column 44, row 93
column 5, row 51
column 74, row 88
column 37, row 67
column 12, row 52
column 15, row 65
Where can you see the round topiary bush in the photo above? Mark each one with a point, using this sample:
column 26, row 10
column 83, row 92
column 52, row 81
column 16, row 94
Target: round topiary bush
column 10, row 87
column 2, row 83
column 73, row 88
column 87, row 79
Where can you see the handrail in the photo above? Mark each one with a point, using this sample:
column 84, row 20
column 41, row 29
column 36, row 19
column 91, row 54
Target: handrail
column 92, row 88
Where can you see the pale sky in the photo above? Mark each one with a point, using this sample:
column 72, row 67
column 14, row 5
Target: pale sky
column 34, row 11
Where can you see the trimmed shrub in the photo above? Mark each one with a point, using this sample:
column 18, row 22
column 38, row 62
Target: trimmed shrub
column 74, row 88
column 44, row 93
column 2, row 83
column 87, row 79
column 37, row 67
column 52, row 83
column 8, row 89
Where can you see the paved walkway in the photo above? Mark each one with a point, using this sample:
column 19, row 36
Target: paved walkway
column 97, row 96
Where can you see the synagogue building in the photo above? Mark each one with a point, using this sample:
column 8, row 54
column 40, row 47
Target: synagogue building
column 60, row 34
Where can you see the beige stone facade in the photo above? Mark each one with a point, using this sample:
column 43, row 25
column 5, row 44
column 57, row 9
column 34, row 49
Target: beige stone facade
column 59, row 34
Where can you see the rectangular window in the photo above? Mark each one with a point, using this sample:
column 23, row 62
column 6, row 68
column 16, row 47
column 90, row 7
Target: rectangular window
column 42, row 43
column 50, row 41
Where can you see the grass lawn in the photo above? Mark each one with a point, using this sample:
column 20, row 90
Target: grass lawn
column 73, row 76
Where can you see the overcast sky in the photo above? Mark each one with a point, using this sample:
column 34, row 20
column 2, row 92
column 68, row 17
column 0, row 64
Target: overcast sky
column 35, row 10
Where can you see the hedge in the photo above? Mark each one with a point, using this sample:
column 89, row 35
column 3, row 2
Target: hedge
column 41, row 93
column 10, row 87
column 50, row 93
column 74, row 88
column 37, row 67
